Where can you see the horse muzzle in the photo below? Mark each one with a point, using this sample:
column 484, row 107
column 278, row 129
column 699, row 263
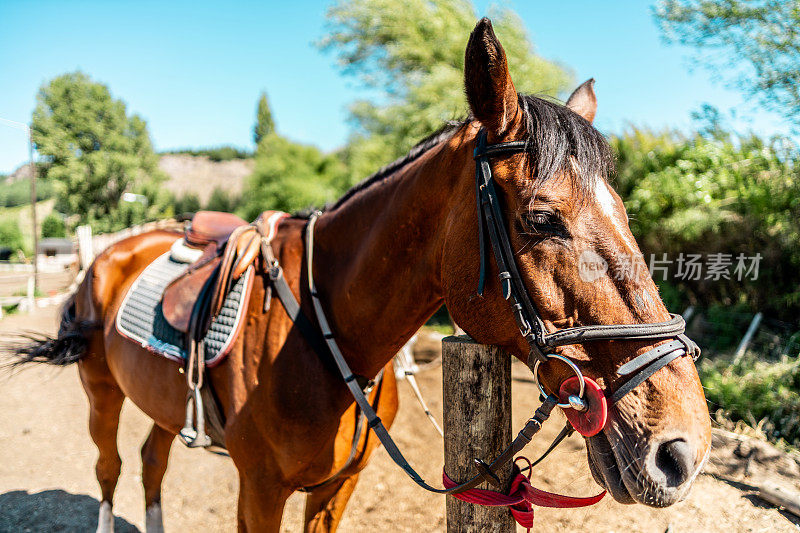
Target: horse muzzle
column 657, row 472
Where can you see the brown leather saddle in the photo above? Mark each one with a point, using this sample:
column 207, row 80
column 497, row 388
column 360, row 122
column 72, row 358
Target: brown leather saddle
column 230, row 245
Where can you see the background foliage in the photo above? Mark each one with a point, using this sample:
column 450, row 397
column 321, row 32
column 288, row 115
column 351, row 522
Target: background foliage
column 13, row 194
column 264, row 123
column 215, row 153
column 10, row 235
column 53, row 226
column 727, row 194
column 290, row 176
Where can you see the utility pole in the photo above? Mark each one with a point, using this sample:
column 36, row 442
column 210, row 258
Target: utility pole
column 33, row 214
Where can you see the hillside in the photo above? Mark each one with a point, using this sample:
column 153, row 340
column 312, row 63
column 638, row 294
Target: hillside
column 22, row 172
column 187, row 174
column 200, row 175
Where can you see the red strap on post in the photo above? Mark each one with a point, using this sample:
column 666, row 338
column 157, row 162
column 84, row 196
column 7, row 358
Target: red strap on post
column 521, row 498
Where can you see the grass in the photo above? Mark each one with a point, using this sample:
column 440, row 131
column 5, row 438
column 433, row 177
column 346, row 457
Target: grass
column 21, row 215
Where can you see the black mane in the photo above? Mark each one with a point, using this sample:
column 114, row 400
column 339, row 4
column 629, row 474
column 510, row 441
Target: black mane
column 556, row 135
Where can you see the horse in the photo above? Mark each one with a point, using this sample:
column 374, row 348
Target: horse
column 387, row 255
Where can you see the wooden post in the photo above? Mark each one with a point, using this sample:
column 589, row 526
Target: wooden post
column 477, row 424
column 748, row 336
column 31, row 293
column 33, row 213
column 85, row 246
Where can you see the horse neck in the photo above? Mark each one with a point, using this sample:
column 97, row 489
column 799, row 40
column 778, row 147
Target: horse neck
column 377, row 256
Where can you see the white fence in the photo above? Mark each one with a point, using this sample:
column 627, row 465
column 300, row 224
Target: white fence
column 89, row 246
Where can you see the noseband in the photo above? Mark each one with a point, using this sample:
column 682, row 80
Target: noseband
column 531, row 326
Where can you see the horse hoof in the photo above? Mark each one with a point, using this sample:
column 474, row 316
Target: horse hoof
column 153, row 522
column 105, row 519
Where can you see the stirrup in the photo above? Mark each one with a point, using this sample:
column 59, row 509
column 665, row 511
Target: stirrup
column 195, row 438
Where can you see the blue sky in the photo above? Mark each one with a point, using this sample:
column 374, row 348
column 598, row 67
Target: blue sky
column 194, row 70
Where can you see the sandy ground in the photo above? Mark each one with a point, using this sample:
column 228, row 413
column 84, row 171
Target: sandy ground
column 47, row 478
column 50, row 283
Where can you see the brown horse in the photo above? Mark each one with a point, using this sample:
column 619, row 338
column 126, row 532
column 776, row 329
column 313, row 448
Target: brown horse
column 387, row 255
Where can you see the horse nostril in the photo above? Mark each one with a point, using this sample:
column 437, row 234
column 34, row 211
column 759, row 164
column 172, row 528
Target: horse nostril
column 674, row 462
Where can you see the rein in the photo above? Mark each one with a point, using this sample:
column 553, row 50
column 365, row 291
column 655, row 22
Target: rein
column 582, row 400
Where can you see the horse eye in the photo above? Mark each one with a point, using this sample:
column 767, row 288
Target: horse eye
column 544, row 223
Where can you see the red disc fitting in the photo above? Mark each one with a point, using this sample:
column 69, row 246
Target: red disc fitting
column 591, row 421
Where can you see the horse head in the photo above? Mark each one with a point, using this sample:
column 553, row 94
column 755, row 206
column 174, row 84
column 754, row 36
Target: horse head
column 580, row 266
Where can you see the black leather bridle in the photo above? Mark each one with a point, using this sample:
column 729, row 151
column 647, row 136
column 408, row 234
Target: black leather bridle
column 531, row 326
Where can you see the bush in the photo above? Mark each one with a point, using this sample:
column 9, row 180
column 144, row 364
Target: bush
column 290, row 176
column 720, row 194
column 53, row 226
column 188, row 203
column 10, row 235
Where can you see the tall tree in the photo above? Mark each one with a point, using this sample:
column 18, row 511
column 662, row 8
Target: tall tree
column 409, row 54
column 95, row 152
column 752, row 44
column 264, row 123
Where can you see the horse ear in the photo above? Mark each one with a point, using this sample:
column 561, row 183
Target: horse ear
column 583, row 100
column 490, row 91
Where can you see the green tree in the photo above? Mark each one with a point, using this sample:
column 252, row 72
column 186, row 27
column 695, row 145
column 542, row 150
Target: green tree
column 291, row 176
column 753, row 44
column 410, row 56
column 94, row 152
column 53, row 226
column 264, row 123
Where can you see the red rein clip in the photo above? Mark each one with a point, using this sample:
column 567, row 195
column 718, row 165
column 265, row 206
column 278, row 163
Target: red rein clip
column 591, row 421
column 521, row 497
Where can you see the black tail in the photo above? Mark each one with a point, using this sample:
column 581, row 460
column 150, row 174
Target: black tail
column 66, row 348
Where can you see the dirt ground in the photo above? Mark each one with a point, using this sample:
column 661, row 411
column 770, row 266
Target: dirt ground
column 47, row 478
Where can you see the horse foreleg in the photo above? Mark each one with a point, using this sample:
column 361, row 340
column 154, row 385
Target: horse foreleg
column 155, row 454
column 261, row 502
column 325, row 505
column 105, row 404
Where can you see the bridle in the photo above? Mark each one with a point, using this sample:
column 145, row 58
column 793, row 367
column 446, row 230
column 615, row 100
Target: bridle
column 529, row 321
column 531, row 326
